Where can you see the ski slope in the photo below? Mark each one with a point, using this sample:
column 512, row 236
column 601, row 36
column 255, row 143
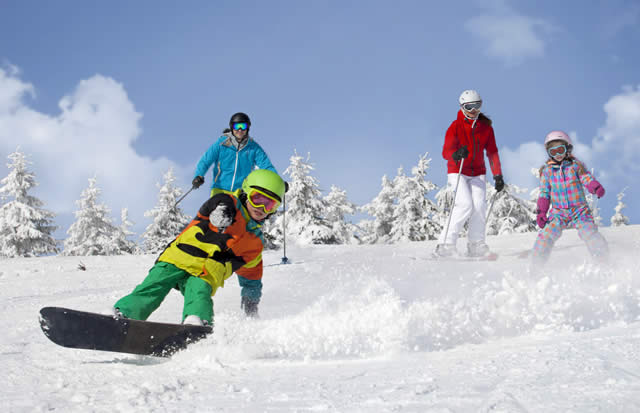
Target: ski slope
column 349, row 329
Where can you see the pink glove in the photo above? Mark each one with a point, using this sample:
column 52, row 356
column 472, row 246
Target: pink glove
column 594, row 187
column 543, row 207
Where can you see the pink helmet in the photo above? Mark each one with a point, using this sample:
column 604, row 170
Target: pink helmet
column 557, row 135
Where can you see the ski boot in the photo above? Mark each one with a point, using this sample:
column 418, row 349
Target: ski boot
column 478, row 249
column 250, row 306
column 195, row 321
column 444, row 250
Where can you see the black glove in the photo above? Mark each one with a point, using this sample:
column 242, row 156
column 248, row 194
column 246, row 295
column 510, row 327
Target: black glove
column 499, row 183
column 286, row 187
column 250, row 306
column 461, row 153
column 197, row 181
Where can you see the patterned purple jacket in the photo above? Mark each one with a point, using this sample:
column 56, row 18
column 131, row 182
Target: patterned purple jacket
column 563, row 184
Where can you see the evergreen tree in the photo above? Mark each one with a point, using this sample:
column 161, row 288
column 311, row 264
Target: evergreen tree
column 619, row 219
column 510, row 213
column 592, row 201
column 336, row 207
column 92, row 233
column 430, row 213
column 415, row 216
column 444, row 205
column 121, row 236
column 305, row 209
column 381, row 208
column 25, row 227
column 272, row 230
column 535, row 192
column 168, row 219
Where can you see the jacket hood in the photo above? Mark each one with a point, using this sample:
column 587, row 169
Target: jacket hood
column 232, row 141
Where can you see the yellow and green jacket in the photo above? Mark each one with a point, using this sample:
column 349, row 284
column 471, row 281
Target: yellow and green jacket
column 220, row 240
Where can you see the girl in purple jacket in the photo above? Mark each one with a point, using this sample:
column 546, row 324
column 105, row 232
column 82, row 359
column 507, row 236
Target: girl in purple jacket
column 562, row 180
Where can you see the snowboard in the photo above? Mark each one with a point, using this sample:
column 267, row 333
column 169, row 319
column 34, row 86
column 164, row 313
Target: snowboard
column 92, row 331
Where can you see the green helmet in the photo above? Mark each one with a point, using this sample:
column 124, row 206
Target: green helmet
column 266, row 181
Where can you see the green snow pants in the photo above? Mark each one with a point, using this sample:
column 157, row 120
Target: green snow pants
column 162, row 277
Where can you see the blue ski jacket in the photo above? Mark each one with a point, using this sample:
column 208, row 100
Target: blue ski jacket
column 232, row 162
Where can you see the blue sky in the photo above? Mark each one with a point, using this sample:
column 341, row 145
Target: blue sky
column 123, row 90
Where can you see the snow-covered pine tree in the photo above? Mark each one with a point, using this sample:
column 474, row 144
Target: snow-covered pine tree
column 272, row 231
column 618, row 219
column 168, row 219
column 121, row 236
column 535, row 192
column 510, row 213
column 406, row 211
column 92, row 233
column 592, row 201
column 430, row 211
column 337, row 205
column 25, row 227
column 444, row 203
column 381, row 208
column 305, row 208
column 415, row 215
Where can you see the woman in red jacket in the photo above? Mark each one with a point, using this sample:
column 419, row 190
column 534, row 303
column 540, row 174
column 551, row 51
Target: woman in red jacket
column 468, row 137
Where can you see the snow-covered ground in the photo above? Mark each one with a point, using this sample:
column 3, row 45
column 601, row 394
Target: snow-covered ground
column 349, row 329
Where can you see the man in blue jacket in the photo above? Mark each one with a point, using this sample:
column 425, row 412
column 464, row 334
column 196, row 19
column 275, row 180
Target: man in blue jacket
column 233, row 156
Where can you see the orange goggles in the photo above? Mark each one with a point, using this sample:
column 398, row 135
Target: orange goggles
column 259, row 199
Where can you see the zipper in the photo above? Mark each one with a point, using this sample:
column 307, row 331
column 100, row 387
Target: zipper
column 564, row 185
column 473, row 148
column 235, row 168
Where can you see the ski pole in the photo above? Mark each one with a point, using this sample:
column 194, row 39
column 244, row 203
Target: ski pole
column 486, row 218
column 493, row 200
column 183, row 196
column 455, row 192
column 285, row 260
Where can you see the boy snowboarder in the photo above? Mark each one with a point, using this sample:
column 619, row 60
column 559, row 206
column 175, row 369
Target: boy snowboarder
column 223, row 238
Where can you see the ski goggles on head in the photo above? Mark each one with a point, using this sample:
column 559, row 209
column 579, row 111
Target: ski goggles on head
column 259, row 199
column 240, row 126
column 471, row 106
column 557, row 150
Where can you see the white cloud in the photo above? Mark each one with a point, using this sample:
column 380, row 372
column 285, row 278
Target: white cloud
column 509, row 36
column 517, row 164
column 12, row 90
column 619, row 138
column 91, row 136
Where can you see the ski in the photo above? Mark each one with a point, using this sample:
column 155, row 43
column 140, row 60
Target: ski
column 492, row 256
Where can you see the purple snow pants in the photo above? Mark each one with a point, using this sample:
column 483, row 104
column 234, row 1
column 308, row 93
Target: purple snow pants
column 560, row 219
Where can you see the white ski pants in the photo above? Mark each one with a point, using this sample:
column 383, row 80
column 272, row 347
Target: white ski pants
column 470, row 203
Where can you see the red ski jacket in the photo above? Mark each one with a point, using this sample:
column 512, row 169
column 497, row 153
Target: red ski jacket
column 478, row 137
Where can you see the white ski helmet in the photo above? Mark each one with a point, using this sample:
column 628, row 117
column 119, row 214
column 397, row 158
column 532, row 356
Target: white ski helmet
column 469, row 96
column 557, row 135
